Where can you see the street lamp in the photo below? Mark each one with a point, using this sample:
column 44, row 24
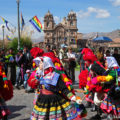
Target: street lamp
column 3, row 36
column 18, row 2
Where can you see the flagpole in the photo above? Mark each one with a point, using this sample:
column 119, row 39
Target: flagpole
column 3, row 35
column 18, row 1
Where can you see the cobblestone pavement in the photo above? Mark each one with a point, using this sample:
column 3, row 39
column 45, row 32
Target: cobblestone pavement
column 22, row 103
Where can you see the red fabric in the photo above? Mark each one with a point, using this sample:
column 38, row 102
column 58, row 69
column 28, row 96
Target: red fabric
column 46, row 92
column 36, row 52
column 6, row 93
column 86, row 50
column 89, row 56
column 50, row 69
column 32, row 81
column 52, row 56
column 95, row 88
column 83, row 78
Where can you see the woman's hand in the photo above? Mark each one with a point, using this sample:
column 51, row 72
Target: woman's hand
column 78, row 101
column 73, row 99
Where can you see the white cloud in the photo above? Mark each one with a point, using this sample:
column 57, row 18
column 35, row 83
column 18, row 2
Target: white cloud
column 115, row 2
column 100, row 13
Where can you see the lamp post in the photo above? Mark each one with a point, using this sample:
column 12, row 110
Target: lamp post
column 3, row 36
column 18, row 2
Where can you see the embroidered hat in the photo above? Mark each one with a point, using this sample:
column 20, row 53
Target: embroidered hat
column 97, row 69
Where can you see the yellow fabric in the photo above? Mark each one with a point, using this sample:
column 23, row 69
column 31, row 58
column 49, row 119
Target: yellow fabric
column 88, row 79
column 66, row 79
column 52, row 108
column 104, row 78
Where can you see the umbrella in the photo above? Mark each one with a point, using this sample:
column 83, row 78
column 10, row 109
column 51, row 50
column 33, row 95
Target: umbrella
column 102, row 39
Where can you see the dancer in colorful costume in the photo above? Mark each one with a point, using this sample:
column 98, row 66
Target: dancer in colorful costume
column 86, row 76
column 53, row 102
column 111, row 102
column 6, row 93
column 37, row 52
column 105, row 86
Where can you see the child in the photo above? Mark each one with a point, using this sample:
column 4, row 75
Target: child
column 26, row 77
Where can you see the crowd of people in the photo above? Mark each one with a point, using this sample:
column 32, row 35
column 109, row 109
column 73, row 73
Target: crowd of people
column 50, row 73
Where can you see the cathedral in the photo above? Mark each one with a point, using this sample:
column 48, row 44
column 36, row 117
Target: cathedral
column 62, row 33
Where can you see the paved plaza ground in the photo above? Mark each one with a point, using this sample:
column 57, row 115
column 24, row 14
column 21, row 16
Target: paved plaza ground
column 22, row 103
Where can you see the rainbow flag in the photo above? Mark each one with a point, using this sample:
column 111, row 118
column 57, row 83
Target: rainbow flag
column 8, row 37
column 22, row 22
column 36, row 23
column 6, row 22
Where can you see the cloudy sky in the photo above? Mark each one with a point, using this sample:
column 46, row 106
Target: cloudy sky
column 92, row 15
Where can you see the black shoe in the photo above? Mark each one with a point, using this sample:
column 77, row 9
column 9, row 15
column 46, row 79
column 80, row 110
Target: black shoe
column 17, row 87
column 96, row 117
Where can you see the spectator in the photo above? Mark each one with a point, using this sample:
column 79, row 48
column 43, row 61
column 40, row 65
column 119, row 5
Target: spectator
column 48, row 49
column 26, row 77
column 100, row 56
column 72, row 64
column 11, row 72
column 80, row 61
column 108, row 53
column 27, row 62
column 20, row 58
column 116, row 56
column 63, row 58
column 54, row 50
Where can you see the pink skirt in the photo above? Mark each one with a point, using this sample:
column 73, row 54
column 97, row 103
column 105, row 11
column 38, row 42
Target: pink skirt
column 111, row 106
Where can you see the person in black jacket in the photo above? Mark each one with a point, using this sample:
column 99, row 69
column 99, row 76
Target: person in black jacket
column 116, row 56
column 20, row 58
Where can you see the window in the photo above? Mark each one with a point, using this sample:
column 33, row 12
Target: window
column 47, row 24
column 71, row 23
column 48, row 41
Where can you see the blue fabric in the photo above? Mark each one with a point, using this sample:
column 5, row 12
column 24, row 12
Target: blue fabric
column 51, row 81
column 118, row 70
column 11, row 59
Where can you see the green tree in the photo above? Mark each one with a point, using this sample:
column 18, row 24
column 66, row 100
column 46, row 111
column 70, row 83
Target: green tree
column 26, row 41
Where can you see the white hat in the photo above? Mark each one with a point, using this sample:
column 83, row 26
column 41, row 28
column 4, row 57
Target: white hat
column 111, row 61
column 47, row 62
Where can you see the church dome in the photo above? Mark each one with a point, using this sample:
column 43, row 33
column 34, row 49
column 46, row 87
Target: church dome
column 48, row 14
column 71, row 12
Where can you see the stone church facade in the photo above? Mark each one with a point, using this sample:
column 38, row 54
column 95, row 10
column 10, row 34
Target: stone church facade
column 64, row 32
